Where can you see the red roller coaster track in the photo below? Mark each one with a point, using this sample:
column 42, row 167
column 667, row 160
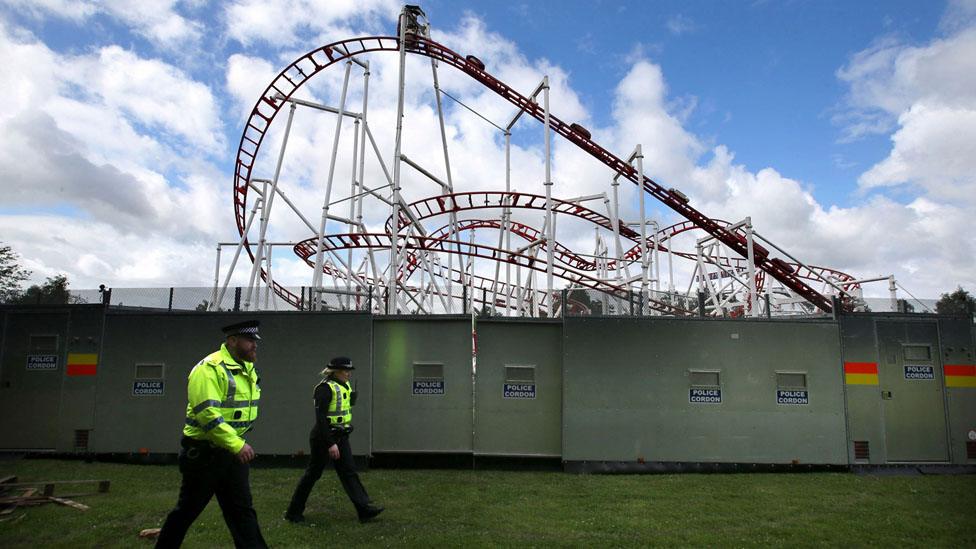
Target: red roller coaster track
column 308, row 65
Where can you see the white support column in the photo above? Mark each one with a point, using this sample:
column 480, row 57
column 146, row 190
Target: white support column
column 751, row 270
column 507, row 217
column 614, row 211
column 670, row 266
column 270, row 294
column 240, row 245
column 450, row 179
column 551, row 235
column 376, row 292
column 253, row 279
column 213, row 296
column 645, row 258
column 394, row 246
column 317, row 275
column 351, row 226
column 518, row 290
column 269, row 201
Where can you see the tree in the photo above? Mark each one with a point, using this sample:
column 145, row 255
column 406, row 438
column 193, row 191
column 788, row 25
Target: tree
column 958, row 302
column 54, row 291
column 11, row 275
column 205, row 306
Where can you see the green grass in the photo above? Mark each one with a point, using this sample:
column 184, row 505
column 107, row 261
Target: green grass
column 542, row 509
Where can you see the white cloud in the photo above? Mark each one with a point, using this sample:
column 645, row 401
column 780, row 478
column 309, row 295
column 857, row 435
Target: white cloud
column 935, row 149
column 247, row 78
column 888, row 78
column 156, row 20
column 286, row 22
column 681, row 24
column 127, row 142
column 959, row 14
column 151, row 92
column 89, row 137
column 69, row 9
column 92, row 252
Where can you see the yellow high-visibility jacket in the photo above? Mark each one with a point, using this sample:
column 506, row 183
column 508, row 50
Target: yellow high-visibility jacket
column 340, row 407
column 222, row 400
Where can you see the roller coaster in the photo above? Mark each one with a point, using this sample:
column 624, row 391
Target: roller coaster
column 386, row 256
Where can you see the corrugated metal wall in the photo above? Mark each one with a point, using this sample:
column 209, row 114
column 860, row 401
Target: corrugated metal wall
column 666, row 390
column 293, row 350
column 618, row 390
column 958, row 342
column 863, row 400
column 422, row 388
column 904, row 404
column 46, row 393
column 518, row 407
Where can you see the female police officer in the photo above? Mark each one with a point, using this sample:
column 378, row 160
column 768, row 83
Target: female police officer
column 330, row 441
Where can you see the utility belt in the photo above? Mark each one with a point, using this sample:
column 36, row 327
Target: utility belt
column 197, row 454
column 189, row 442
column 340, row 429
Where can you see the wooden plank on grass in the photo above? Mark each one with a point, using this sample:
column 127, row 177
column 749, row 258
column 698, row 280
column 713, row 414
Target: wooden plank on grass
column 102, row 486
column 69, row 503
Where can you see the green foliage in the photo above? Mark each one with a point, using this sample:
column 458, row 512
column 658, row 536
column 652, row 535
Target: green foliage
column 54, row 291
column 464, row 508
column 958, row 302
column 11, row 275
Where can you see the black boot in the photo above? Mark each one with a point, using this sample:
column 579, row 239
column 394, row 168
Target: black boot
column 369, row 512
column 294, row 518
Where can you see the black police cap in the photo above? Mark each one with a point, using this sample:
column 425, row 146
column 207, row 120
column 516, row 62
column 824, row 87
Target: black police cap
column 248, row 328
column 341, row 363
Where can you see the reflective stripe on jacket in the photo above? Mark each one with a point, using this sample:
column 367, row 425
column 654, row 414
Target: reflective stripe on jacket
column 340, row 408
column 222, row 400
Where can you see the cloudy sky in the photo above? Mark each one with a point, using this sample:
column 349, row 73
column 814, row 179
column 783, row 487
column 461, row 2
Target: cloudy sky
column 846, row 130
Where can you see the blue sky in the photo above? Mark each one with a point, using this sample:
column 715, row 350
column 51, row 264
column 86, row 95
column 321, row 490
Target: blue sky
column 842, row 127
column 760, row 73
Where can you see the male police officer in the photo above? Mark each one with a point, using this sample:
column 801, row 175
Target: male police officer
column 223, row 395
column 330, row 441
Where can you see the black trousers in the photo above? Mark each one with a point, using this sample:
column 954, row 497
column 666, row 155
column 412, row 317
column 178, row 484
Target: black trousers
column 209, row 471
column 345, row 468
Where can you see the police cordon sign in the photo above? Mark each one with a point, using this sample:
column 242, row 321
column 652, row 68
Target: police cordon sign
column 705, row 396
column 792, row 398
column 428, row 386
column 147, row 388
column 42, row 362
column 915, row 371
column 519, row 390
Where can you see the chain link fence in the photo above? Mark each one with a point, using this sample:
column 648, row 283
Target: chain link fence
column 233, row 299
column 569, row 302
column 589, row 302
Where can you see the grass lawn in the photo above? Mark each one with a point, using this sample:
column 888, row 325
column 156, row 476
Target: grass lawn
column 492, row 508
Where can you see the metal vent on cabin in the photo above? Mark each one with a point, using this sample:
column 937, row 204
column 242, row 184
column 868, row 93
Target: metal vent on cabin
column 703, row 379
column 862, row 450
column 918, row 352
column 428, row 370
column 81, row 439
column 520, row 374
column 43, row 344
column 149, row 371
column 971, row 449
column 791, row 380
